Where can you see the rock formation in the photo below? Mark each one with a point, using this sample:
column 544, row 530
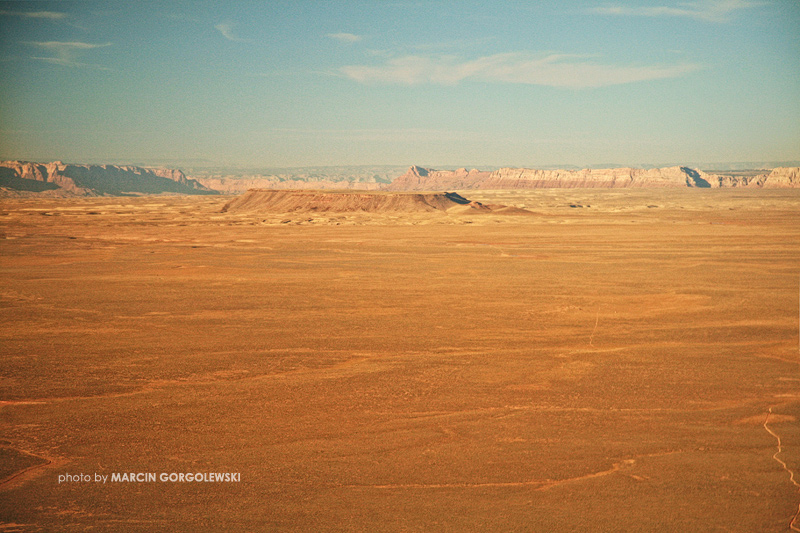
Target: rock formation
column 319, row 201
column 21, row 178
column 240, row 186
column 418, row 179
column 61, row 179
column 510, row 178
column 782, row 178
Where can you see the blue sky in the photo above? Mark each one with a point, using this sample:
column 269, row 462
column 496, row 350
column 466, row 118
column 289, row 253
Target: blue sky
column 437, row 83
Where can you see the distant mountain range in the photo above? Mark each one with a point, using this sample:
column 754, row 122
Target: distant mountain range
column 418, row 179
column 21, row 178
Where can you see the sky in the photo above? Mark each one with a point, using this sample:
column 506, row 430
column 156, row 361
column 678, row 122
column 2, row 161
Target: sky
column 435, row 83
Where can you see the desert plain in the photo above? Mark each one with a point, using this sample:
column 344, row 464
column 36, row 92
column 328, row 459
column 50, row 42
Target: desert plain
column 616, row 360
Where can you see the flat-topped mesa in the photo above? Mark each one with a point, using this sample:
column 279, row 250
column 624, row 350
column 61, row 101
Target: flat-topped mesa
column 94, row 180
column 347, row 201
column 418, row 178
column 306, row 201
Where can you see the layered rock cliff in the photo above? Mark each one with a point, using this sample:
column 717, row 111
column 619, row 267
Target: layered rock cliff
column 62, row 179
column 782, row 178
column 511, row 178
column 418, row 178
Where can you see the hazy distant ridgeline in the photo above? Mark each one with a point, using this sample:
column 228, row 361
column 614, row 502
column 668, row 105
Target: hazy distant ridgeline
column 242, row 185
column 418, row 178
column 21, row 178
column 238, row 181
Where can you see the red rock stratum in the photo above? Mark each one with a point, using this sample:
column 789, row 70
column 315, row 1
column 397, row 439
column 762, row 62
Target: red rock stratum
column 304, row 201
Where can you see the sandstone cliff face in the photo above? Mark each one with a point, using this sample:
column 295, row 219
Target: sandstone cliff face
column 173, row 174
column 783, row 177
column 417, row 179
column 60, row 179
column 28, row 171
column 509, row 178
column 38, row 178
column 778, row 178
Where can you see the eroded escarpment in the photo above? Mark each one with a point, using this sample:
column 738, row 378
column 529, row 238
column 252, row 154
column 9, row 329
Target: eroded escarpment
column 419, row 178
column 22, row 178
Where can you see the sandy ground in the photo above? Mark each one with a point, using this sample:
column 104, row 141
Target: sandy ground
column 624, row 360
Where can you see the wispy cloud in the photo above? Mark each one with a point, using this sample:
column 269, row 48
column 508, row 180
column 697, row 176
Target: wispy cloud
column 226, row 29
column 345, row 37
column 435, row 47
column 48, row 15
column 708, row 10
column 66, row 53
column 555, row 70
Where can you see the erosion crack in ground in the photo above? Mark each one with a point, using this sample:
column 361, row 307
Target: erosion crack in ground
column 792, row 523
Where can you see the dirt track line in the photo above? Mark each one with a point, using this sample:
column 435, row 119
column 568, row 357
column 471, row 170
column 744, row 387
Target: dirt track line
column 16, row 475
column 498, row 484
column 334, row 371
column 785, row 467
column 538, row 484
column 31, row 471
column 616, row 467
column 596, row 321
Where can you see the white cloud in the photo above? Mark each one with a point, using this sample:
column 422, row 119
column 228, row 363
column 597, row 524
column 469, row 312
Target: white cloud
column 708, row 10
column 345, row 37
column 226, row 29
column 65, row 53
column 555, row 70
column 49, row 15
